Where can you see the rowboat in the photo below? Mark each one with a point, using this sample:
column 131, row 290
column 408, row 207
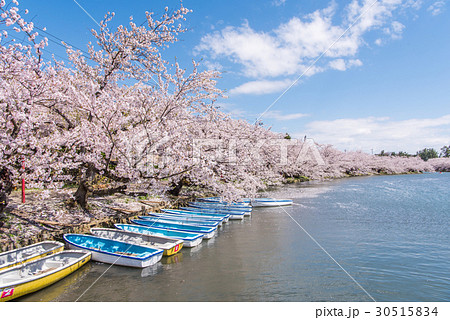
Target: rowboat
column 203, row 217
column 234, row 214
column 170, row 246
column 190, row 239
column 114, row 252
column 35, row 251
column 208, row 232
column 213, row 206
column 211, row 214
column 192, row 220
column 38, row 274
column 180, row 220
column 219, row 205
column 270, row 202
column 184, row 213
column 210, row 199
column 244, row 203
column 255, row 202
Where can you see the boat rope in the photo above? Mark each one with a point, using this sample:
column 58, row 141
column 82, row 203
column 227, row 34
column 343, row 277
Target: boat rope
column 104, row 272
column 329, row 255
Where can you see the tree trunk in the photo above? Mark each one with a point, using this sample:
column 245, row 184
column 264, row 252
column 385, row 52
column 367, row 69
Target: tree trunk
column 175, row 191
column 6, row 187
column 81, row 195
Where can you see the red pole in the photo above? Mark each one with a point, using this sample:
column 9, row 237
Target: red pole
column 23, row 182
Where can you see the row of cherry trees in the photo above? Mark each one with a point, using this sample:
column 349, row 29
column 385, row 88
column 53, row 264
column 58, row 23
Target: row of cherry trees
column 127, row 115
column 123, row 112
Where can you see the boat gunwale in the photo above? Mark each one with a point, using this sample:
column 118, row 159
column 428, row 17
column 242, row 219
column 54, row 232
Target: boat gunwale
column 58, row 246
column 43, row 275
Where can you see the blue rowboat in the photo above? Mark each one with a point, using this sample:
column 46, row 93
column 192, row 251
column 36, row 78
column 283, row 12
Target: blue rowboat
column 247, row 210
column 215, row 209
column 179, row 219
column 208, row 232
column 169, row 215
column 233, row 215
column 211, row 199
column 245, row 202
column 255, row 202
column 113, row 251
column 190, row 239
column 200, row 204
column 197, row 214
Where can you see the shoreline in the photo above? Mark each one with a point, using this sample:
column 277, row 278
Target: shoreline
column 29, row 226
column 41, row 219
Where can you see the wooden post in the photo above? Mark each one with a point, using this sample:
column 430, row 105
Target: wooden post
column 23, row 181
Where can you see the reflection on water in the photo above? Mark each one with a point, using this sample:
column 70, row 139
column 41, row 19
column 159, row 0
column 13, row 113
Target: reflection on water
column 389, row 232
column 58, row 289
column 177, row 258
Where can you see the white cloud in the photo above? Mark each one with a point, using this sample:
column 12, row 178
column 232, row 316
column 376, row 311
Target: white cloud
column 415, row 4
column 290, row 48
column 436, row 8
column 259, row 53
column 342, row 65
column 212, row 65
column 283, row 117
column 278, row 3
column 381, row 133
column 261, row 87
column 394, row 31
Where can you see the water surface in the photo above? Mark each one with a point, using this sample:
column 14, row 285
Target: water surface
column 390, row 233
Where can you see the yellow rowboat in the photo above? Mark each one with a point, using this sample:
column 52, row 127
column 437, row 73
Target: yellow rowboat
column 35, row 275
column 35, row 251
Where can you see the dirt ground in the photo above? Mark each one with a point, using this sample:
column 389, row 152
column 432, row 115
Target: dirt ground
column 54, row 211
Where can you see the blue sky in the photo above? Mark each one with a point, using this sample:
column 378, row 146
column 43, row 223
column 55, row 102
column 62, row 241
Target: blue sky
column 361, row 74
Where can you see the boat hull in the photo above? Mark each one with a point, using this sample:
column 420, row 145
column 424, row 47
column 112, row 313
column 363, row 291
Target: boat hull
column 16, row 290
column 271, row 203
column 119, row 260
column 122, row 256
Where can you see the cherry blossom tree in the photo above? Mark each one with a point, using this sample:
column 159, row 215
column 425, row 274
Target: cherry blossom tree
column 126, row 114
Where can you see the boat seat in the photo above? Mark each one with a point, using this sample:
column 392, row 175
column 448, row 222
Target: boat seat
column 9, row 279
column 54, row 264
column 38, row 273
column 25, row 272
